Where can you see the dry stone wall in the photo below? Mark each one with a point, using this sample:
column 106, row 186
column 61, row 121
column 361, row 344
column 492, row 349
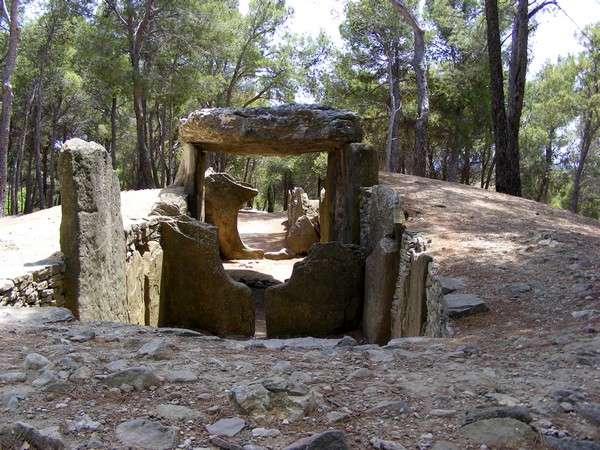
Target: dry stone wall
column 44, row 287
column 403, row 296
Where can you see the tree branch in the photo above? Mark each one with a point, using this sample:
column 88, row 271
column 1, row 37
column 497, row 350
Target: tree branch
column 541, row 6
column 407, row 15
column 113, row 7
column 5, row 12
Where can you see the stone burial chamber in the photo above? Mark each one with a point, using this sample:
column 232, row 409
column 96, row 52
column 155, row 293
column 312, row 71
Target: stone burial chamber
column 363, row 268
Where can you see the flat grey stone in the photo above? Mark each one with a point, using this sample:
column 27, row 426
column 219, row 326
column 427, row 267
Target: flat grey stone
column 144, row 433
column 451, row 284
column 176, row 412
column 181, row 376
column 226, row 427
column 392, row 407
column 519, row 413
column 13, row 377
column 138, row 377
column 460, row 305
column 328, row 440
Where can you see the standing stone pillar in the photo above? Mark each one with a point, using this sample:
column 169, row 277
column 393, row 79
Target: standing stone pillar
column 348, row 169
column 92, row 237
column 199, row 184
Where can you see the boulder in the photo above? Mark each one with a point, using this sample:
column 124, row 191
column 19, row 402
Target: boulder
column 301, row 236
column 223, row 199
column 196, row 291
column 381, row 273
column 92, row 237
column 324, row 295
column 275, row 131
column 460, row 305
column 299, row 205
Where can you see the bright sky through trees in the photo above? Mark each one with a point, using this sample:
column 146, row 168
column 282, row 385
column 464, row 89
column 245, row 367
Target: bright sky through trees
column 556, row 35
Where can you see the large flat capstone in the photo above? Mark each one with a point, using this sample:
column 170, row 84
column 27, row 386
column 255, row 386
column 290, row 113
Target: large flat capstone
column 276, row 131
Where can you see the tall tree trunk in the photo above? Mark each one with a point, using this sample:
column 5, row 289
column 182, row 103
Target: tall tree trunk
column 516, row 92
column 392, row 142
column 37, row 145
column 113, row 131
column 503, row 170
column 7, row 95
column 466, row 168
column 18, row 160
column 545, row 183
column 144, row 169
column 586, row 142
column 420, row 67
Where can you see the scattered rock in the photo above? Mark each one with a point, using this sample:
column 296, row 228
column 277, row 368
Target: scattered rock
column 35, row 361
column 505, row 433
column 555, row 443
column 251, row 399
column 83, row 423
column 226, row 427
column 519, row 413
column 392, row 407
column 181, row 376
column 460, row 305
column 591, row 412
column 380, row 444
column 157, row 349
column 328, row 440
column 144, row 433
column 265, row 432
column 23, row 436
column 138, row 377
column 450, row 284
column 176, row 412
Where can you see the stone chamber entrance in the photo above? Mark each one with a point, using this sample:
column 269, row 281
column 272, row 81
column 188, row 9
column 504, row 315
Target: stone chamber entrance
column 260, row 249
column 343, row 263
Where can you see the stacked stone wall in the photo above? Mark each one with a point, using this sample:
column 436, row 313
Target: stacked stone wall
column 44, row 287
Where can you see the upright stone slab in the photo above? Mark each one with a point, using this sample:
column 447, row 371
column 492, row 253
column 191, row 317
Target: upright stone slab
column 381, row 273
column 349, row 168
column 224, row 197
column 92, row 238
column 380, row 215
column 418, row 306
column 324, row 296
column 196, row 291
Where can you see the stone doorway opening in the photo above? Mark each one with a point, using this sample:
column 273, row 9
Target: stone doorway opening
column 217, row 199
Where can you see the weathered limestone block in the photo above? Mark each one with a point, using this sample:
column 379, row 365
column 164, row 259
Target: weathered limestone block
column 223, row 199
column 153, row 262
column 324, row 296
column 171, row 202
column 300, row 205
column 92, row 238
column 437, row 308
column 380, row 215
column 301, row 236
column 418, row 306
column 381, row 273
column 276, row 131
column 349, row 168
column 134, row 275
column 196, row 291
